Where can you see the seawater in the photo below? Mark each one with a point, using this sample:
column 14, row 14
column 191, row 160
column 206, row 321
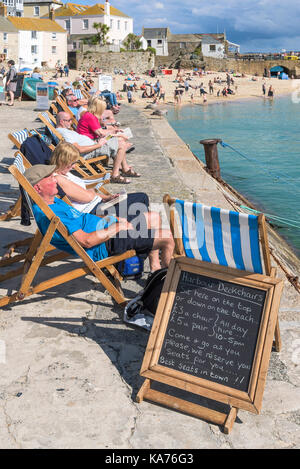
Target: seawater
column 266, row 133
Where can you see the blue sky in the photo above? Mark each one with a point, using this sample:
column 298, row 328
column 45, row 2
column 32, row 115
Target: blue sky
column 258, row 25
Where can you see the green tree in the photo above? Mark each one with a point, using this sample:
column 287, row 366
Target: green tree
column 132, row 42
column 102, row 32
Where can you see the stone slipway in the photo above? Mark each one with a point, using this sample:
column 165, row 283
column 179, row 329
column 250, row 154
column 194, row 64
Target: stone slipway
column 69, row 369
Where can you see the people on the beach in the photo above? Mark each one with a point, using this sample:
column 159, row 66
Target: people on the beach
column 271, row 92
column 113, row 147
column 101, row 237
column 36, row 73
column 11, row 82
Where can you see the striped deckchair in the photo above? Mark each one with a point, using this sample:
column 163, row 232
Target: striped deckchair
column 42, row 252
column 223, row 237
column 19, row 136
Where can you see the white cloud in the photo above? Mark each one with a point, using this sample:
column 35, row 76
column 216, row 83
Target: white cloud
column 265, row 23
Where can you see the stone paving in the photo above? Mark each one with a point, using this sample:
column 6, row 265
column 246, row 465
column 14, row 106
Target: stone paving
column 69, row 365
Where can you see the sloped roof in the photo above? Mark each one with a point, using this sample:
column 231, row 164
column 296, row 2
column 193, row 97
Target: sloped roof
column 35, row 24
column 6, row 26
column 155, row 33
column 185, row 38
column 75, row 9
column 38, row 2
column 207, row 39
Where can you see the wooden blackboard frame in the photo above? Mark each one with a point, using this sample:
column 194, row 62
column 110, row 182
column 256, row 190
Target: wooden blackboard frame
column 250, row 401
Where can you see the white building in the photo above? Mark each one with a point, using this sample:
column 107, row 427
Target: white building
column 78, row 20
column 212, row 47
column 14, row 7
column 40, row 41
column 158, row 39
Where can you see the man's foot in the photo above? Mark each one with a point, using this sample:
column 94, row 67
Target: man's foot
column 131, row 173
column 119, row 180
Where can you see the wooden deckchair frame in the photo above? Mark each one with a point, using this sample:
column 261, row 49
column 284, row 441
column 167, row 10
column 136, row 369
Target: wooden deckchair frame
column 149, row 369
column 65, row 107
column 36, row 257
column 84, row 165
column 15, row 141
column 15, row 210
column 264, row 244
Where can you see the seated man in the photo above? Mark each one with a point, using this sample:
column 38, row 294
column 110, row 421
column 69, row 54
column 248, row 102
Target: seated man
column 100, row 237
column 114, row 147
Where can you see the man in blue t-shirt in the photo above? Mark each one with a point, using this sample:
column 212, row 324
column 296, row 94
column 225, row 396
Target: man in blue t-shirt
column 100, row 237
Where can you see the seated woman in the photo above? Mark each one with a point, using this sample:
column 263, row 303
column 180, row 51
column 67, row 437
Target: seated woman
column 90, row 122
column 36, row 73
column 86, row 200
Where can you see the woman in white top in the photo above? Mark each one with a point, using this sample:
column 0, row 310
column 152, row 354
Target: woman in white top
column 85, row 200
column 134, row 206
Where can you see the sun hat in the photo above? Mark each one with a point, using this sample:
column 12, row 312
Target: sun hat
column 38, row 172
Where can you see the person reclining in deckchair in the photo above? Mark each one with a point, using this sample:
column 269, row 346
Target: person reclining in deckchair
column 100, row 237
column 114, row 147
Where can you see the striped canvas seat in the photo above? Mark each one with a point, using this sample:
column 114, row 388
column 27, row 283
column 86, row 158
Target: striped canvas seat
column 54, row 138
column 219, row 236
column 78, row 94
column 20, row 135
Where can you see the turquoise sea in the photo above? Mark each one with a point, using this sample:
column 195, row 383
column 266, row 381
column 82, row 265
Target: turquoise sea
column 266, row 169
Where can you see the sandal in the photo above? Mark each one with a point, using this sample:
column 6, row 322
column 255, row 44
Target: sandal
column 119, row 180
column 131, row 173
column 130, row 149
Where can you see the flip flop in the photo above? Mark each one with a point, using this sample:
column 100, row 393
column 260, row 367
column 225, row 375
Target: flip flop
column 130, row 149
column 119, row 180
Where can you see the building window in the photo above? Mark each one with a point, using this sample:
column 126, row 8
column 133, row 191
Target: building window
column 67, row 25
column 149, row 42
column 36, row 11
column 85, row 24
column 118, row 24
column 74, row 45
column 159, row 42
column 5, row 51
column 53, row 49
column 33, row 35
column 212, row 48
column 5, row 37
column 34, row 49
column 54, row 36
column 182, row 45
column 111, row 24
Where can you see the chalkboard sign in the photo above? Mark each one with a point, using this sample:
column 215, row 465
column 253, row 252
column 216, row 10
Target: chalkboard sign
column 212, row 333
column 212, row 330
column 20, row 82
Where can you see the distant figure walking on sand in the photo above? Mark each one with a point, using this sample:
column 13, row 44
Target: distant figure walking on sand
column 271, row 92
column 264, row 88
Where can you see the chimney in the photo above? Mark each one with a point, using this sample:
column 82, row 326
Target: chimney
column 52, row 14
column 107, row 8
column 3, row 10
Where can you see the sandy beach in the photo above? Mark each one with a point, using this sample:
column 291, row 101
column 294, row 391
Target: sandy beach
column 248, row 87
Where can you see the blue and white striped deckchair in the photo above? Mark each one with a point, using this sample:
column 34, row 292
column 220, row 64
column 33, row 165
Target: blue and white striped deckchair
column 77, row 93
column 222, row 237
column 44, row 117
column 19, row 136
column 39, row 254
column 219, row 236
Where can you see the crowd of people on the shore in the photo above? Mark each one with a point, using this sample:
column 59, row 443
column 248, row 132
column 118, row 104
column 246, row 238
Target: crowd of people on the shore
column 88, row 131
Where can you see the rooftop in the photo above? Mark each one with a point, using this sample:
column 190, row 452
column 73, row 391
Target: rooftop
column 35, row 24
column 75, row 9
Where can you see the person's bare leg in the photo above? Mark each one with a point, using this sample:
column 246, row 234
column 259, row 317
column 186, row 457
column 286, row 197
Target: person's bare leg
column 120, row 160
column 153, row 220
column 164, row 242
